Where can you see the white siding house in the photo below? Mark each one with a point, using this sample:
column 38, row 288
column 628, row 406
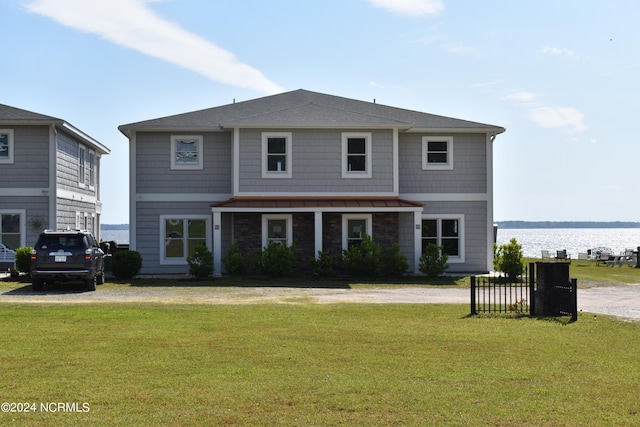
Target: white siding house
column 314, row 170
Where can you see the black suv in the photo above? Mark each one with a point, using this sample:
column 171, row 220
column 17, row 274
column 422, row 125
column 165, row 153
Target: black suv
column 66, row 256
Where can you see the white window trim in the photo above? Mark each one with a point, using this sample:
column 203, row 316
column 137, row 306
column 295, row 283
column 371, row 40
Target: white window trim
column 11, row 147
column 82, row 166
column 461, row 232
column 265, row 144
column 437, row 166
column 345, row 222
column 91, row 167
column 174, row 145
column 180, row 261
column 345, row 164
column 265, row 230
column 23, row 226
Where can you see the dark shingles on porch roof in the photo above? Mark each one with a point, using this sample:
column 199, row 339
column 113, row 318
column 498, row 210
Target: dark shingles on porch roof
column 298, row 105
column 314, row 202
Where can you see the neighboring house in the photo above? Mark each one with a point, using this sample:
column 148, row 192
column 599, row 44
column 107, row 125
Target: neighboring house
column 49, row 176
column 314, row 170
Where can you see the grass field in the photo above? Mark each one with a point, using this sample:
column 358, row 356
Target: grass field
column 309, row 364
column 342, row 364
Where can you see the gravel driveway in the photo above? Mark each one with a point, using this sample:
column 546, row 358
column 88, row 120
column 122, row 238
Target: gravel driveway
column 622, row 300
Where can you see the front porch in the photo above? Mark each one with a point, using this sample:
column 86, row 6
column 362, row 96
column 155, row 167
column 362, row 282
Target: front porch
column 316, row 225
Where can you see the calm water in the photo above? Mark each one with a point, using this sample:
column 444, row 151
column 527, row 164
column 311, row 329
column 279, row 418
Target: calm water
column 118, row 236
column 574, row 240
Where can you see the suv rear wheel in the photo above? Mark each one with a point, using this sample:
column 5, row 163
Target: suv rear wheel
column 91, row 283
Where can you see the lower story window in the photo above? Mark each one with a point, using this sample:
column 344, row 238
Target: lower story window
column 11, row 229
column 446, row 233
column 181, row 237
column 354, row 228
column 277, row 229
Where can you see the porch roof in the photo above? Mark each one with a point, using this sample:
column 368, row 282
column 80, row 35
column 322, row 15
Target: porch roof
column 312, row 204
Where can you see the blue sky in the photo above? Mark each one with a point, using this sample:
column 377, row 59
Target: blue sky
column 560, row 76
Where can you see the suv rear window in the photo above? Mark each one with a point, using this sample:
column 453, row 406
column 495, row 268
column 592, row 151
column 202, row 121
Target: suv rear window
column 60, row 242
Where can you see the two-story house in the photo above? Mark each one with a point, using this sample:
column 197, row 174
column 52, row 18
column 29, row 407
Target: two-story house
column 49, row 176
column 314, row 170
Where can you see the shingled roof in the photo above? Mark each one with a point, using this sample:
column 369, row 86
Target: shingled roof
column 12, row 116
column 303, row 109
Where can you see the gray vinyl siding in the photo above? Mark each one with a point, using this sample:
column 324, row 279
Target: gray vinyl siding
column 316, row 163
column 153, row 165
column 406, row 235
column 67, row 213
column 68, row 166
column 34, row 207
column 30, row 167
column 475, row 232
column 148, row 233
column 469, row 166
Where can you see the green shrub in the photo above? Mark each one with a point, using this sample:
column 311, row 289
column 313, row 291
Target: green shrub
column 362, row 259
column 235, row 262
column 126, row 264
column 201, row 262
column 23, row 259
column 277, row 260
column 432, row 261
column 508, row 259
column 324, row 265
column 394, row 262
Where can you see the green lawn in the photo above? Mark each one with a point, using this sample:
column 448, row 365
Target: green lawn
column 307, row 364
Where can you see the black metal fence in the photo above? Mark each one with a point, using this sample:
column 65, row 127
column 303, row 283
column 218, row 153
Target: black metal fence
column 501, row 294
column 543, row 289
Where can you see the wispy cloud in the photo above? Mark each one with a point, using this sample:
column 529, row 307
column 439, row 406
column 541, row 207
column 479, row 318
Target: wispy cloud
column 413, row 8
column 522, row 96
column 561, row 51
column 131, row 23
column 558, row 117
column 450, row 45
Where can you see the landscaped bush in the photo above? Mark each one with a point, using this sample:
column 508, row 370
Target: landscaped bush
column 201, row 262
column 126, row 264
column 362, row 259
column 508, row 259
column 277, row 260
column 324, row 265
column 432, row 261
column 235, row 262
column 23, row 259
column 394, row 262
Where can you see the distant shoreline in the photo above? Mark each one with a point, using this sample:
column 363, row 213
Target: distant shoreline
column 567, row 224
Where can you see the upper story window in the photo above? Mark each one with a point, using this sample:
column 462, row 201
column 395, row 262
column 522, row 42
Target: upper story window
column 356, row 155
column 92, row 168
column 276, row 155
column 82, row 159
column 186, row 152
column 437, row 152
column 6, row 146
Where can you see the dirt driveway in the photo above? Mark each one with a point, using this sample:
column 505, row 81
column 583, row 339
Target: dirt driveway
column 622, row 300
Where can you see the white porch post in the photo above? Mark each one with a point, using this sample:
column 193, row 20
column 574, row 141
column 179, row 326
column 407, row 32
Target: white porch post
column 217, row 243
column 317, row 217
column 417, row 241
